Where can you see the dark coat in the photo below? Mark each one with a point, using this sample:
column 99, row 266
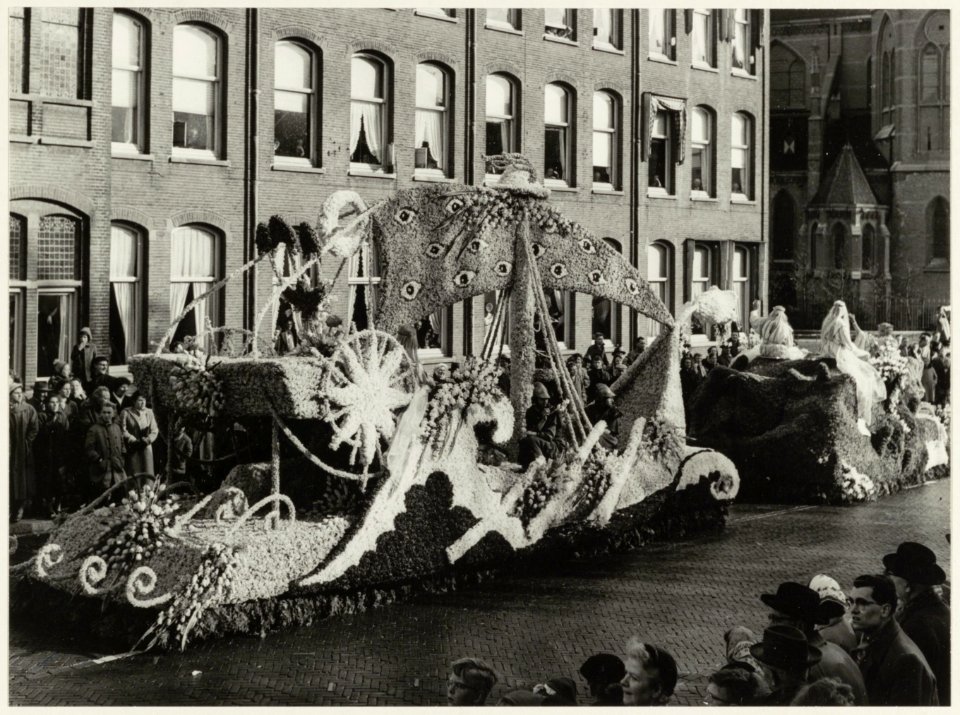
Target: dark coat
column 81, row 362
column 895, row 671
column 104, row 449
column 50, row 453
column 926, row 620
column 544, row 424
column 24, row 426
column 595, row 351
column 837, row 663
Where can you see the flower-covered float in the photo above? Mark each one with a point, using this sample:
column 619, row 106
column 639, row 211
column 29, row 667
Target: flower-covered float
column 402, row 494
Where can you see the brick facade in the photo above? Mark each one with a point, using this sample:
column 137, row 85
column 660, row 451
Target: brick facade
column 61, row 155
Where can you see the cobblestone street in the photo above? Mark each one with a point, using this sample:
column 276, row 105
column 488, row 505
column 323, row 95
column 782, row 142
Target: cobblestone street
column 682, row 596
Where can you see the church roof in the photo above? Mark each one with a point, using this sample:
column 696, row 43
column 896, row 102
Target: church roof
column 845, row 184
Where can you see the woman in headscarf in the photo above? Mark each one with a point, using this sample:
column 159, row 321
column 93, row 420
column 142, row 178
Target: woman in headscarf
column 140, row 431
column 81, row 357
column 836, row 343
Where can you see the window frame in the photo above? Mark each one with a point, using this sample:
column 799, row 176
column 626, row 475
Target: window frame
column 72, row 287
column 616, row 30
column 447, row 112
column 742, row 283
column 668, row 140
column 448, row 14
column 514, row 133
column 141, row 111
column 217, row 81
column 742, row 35
column 708, row 147
column 139, row 281
column 386, row 165
column 569, row 129
column 664, row 249
column 938, row 259
column 748, row 177
column 868, row 232
column 613, row 134
column 567, row 32
column 313, row 93
column 839, row 246
column 615, row 335
column 668, row 28
column 710, row 39
column 215, row 300
column 513, row 23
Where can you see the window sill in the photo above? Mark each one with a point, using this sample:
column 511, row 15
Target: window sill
column 436, row 16
column 491, row 179
column 704, row 68
column 432, row 178
column 557, row 185
column 199, row 160
column 606, row 192
column 743, row 74
column 299, row 168
column 132, row 156
column 510, row 30
column 663, row 59
column 64, row 141
column 24, row 139
column 656, row 193
column 937, row 265
column 371, row 174
column 742, row 200
column 605, row 47
column 560, row 40
column 704, row 197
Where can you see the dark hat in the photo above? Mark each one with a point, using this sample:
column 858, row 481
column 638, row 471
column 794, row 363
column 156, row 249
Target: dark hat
column 333, row 321
column 619, row 351
column 599, row 335
column 39, row 386
column 785, row 647
column 794, row 600
column 539, row 390
column 915, row 563
column 562, row 691
column 101, row 358
column 604, row 667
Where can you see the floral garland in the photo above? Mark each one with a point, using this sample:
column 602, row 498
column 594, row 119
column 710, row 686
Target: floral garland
column 855, row 486
column 891, row 365
column 475, row 382
column 197, row 389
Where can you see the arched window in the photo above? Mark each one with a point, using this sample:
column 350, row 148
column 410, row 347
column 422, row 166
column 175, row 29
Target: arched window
column 559, row 116
column 605, row 313
column 868, row 249
column 701, row 270
column 295, row 103
column 814, row 230
column 197, row 91
column 660, row 271
column 59, row 276
column 194, row 267
column 606, row 28
column 788, row 77
column 702, row 133
column 886, row 46
column 432, row 126
column 938, row 230
column 741, row 156
column 369, row 113
column 126, row 293
column 784, row 226
column 930, row 74
column 606, row 141
column 839, row 234
column 502, row 118
column 129, row 107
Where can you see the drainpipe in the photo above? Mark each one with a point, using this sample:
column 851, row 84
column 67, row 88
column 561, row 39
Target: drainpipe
column 635, row 139
column 469, row 148
column 252, row 152
column 763, row 290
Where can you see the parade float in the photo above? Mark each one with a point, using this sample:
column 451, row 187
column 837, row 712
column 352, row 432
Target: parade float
column 379, row 483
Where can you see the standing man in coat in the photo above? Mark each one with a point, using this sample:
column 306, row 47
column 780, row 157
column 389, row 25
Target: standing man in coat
column 24, row 427
column 894, row 669
column 81, row 358
column 104, row 449
column 925, row 618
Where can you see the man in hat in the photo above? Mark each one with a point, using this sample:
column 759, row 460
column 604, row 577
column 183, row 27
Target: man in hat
column 785, row 652
column 617, row 367
column 800, row 607
column 651, row 674
column 603, row 673
column 38, row 400
column 837, row 629
column 602, row 409
column 925, row 618
column 24, row 426
column 711, row 360
column 470, row 682
column 894, row 669
column 598, row 349
column 599, row 374
column 542, row 424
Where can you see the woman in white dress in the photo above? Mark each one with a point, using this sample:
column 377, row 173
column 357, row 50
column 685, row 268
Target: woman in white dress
column 836, row 343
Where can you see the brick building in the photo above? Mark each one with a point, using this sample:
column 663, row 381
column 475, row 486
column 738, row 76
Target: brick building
column 860, row 163
column 146, row 144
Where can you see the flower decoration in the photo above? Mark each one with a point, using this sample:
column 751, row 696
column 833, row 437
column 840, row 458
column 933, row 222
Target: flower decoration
column 197, row 389
column 464, row 278
column 503, row 268
column 476, row 245
column 455, row 205
column 596, row 277
column 411, row 289
column 559, row 270
column 405, row 215
column 474, row 383
column 587, row 246
column 855, row 486
column 538, row 249
column 434, row 250
column 632, row 286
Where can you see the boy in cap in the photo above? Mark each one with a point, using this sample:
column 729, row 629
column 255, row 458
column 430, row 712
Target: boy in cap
column 602, row 409
column 603, row 673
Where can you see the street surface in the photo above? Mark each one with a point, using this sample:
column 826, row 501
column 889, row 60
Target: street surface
column 682, row 596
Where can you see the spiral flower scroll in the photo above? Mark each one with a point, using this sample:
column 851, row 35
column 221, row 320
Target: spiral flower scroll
column 272, row 519
column 234, row 503
column 48, row 557
column 92, row 573
column 142, row 582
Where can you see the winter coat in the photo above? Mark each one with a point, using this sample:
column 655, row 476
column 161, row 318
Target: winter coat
column 24, row 427
column 104, row 449
column 895, row 671
column 81, row 362
column 926, row 620
column 140, row 431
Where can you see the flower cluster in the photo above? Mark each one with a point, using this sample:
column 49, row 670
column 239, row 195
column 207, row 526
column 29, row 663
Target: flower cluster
column 489, row 207
column 661, row 440
column 209, row 585
column 855, row 486
column 891, row 365
column 597, row 471
column 303, row 239
column 196, row 389
column 536, row 496
column 473, row 383
column 943, row 414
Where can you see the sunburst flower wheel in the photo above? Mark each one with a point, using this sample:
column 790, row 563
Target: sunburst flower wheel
column 370, row 378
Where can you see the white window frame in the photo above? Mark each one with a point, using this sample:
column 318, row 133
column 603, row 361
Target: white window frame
column 217, row 82
column 667, row 27
column 512, row 133
column 706, row 147
column 137, row 71
column 16, row 347
column 701, row 282
column 666, row 136
column 567, row 31
column 213, row 302
column 445, row 170
column 746, row 187
column 68, row 322
column 704, row 22
column 511, row 24
column 386, row 164
column 312, row 96
column 611, row 135
column 440, row 13
column 137, row 280
column 741, row 40
column 370, row 281
column 740, row 282
column 568, row 127
column 616, row 30
column 659, row 252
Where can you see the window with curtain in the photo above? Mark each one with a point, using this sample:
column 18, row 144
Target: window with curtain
column 194, row 261
column 663, row 40
column 126, row 310
column 501, row 120
column 660, row 272
column 704, row 39
column 740, row 43
column 740, row 282
column 17, row 291
column 661, row 162
column 59, row 248
column 560, row 22
column 839, row 246
column 868, row 249
column 606, row 28
column 295, row 99
column 606, row 141
column 938, row 231
column 558, row 147
column 432, row 121
column 368, row 113
column 127, row 113
column 741, row 156
column 701, row 152
column 503, row 18
column 701, row 271
column 18, row 48
column 196, row 91
column 363, row 287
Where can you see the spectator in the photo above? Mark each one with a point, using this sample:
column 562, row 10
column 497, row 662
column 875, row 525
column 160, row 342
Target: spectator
column 81, row 358
column 923, row 349
column 925, row 618
column 578, row 375
column 734, row 345
column 50, row 454
column 914, row 365
column 651, row 674
column 943, row 325
column 118, row 394
column 894, row 669
column 800, row 607
column 101, row 375
column 181, row 450
column 941, row 367
column 541, row 433
column 104, row 450
column 836, row 628
column 784, row 651
column 639, row 346
column 602, row 409
column 38, row 400
column 603, row 673
column 928, row 379
column 711, row 360
column 617, row 368
column 598, row 349
column 68, row 402
column 734, row 685
column 725, row 358
column 690, row 379
column 825, row 691
column 140, row 431
column 470, row 682
column 24, row 426
column 557, row 691
column 599, row 374
column 286, row 342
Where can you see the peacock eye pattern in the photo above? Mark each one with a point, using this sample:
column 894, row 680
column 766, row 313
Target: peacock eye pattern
column 464, row 278
column 538, row 249
column 558, row 270
column 410, row 290
column 434, row 250
column 586, row 245
column 632, row 286
column 596, row 277
column 476, row 245
column 405, row 215
column 503, row 268
column 454, row 205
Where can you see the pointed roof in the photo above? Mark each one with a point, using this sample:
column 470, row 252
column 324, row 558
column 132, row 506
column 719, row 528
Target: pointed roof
column 845, row 184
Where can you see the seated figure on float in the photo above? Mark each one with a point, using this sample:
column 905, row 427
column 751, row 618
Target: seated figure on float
column 837, row 343
column 776, row 341
column 542, row 425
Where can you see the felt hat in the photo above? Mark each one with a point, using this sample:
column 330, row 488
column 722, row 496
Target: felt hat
column 794, row 600
column 599, row 335
column 604, row 667
column 915, row 563
column 539, row 390
column 833, row 601
column 786, row 648
column 40, row 386
column 87, row 332
column 602, row 390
